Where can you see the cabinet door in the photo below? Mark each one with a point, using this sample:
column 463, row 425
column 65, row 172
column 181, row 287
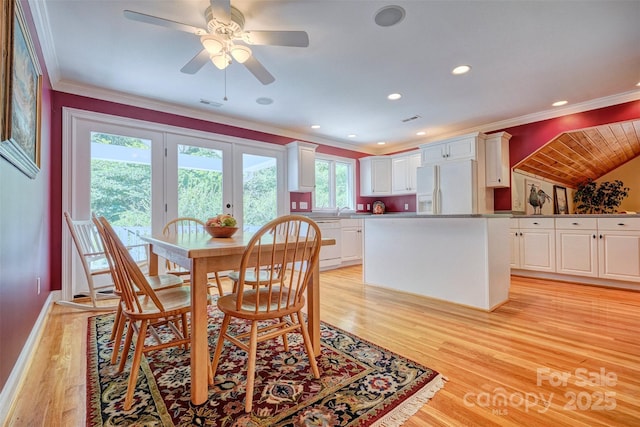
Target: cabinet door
column 497, row 161
column 619, row 255
column 351, row 243
column 400, row 174
column 433, row 153
column 577, row 252
column 461, row 149
column 515, row 247
column 381, row 176
column 403, row 170
column 375, row 176
column 537, row 250
column 302, row 166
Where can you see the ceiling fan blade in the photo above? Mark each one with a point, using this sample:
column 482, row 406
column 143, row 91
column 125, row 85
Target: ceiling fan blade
column 258, row 70
column 196, row 62
column 277, row 38
column 221, row 10
column 154, row 20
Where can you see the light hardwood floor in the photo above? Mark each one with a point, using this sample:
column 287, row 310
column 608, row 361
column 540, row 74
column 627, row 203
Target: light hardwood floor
column 504, row 368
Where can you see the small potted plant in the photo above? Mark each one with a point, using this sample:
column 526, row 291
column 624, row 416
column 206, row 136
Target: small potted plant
column 604, row 198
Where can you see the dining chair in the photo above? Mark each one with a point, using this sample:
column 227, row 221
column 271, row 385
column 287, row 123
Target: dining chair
column 145, row 309
column 287, row 249
column 183, row 225
column 158, row 282
column 91, row 252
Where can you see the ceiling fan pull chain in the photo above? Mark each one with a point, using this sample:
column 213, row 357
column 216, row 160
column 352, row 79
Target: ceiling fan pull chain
column 225, row 84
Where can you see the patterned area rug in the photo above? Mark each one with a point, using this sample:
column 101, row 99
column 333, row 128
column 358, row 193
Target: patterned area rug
column 361, row 384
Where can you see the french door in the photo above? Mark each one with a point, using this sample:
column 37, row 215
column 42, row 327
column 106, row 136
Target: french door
column 140, row 175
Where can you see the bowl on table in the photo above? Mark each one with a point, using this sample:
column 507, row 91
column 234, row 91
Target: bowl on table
column 221, row 231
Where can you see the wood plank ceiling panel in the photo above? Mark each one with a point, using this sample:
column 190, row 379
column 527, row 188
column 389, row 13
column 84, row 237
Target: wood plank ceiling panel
column 573, row 157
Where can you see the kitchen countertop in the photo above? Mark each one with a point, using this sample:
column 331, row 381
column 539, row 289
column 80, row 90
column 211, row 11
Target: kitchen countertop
column 579, row 216
column 417, row 216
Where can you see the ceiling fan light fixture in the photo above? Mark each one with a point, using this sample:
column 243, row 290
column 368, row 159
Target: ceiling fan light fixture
column 221, row 60
column 212, row 44
column 240, row 53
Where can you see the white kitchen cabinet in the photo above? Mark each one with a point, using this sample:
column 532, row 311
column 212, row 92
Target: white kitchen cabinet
column 577, row 246
column 375, row 176
column 536, row 244
column 497, row 170
column 351, row 240
column 619, row 248
column 404, row 168
column 459, row 148
column 330, row 255
column 514, row 234
column 301, row 166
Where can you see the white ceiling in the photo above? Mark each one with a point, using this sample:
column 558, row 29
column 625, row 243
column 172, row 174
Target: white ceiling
column 524, row 56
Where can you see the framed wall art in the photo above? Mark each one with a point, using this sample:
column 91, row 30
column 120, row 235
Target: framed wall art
column 21, row 93
column 560, row 205
column 538, row 202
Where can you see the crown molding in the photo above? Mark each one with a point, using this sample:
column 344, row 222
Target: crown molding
column 165, row 107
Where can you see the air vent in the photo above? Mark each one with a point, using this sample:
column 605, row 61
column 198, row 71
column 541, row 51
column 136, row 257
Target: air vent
column 409, row 119
column 211, row 103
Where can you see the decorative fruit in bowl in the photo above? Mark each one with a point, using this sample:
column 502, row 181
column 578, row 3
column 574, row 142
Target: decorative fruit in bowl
column 223, row 225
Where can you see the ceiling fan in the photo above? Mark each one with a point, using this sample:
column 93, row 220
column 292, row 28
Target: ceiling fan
column 225, row 39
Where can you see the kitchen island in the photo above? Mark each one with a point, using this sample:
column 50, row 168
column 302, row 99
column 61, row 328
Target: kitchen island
column 463, row 259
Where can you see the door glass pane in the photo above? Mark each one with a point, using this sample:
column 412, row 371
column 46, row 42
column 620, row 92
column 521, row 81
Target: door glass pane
column 259, row 191
column 121, row 185
column 199, row 182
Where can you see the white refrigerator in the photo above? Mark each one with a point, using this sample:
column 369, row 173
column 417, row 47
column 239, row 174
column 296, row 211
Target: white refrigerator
column 447, row 188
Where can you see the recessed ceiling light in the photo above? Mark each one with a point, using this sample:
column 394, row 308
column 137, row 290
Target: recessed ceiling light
column 462, row 69
column 389, row 16
column 638, row 84
column 264, row 101
column 381, row 143
column 559, row 103
column 394, row 96
column 351, row 135
column 315, row 126
column 421, row 133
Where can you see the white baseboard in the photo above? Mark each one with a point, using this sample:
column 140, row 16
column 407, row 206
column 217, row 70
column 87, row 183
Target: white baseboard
column 12, row 386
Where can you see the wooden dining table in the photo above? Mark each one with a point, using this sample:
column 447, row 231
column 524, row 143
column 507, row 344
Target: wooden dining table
column 202, row 255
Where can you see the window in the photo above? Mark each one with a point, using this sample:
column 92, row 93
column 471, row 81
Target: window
column 335, row 182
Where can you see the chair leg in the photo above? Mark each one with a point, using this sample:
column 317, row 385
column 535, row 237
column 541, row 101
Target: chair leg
column 116, row 342
column 218, row 350
column 135, row 365
column 285, row 341
column 219, row 284
column 251, row 366
column 127, row 345
column 308, row 346
column 116, row 322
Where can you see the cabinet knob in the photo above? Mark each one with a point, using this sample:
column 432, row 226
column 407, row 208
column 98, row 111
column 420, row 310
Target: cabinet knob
column 535, row 223
column 594, row 236
column 622, row 224
column 499, row 179
column 601, row 236
column 574, row 223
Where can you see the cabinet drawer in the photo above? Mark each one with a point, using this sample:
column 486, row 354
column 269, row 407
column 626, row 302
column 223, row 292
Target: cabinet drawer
column 576, row 223
column 536, row 223
column 351, row 222
column 619, row 224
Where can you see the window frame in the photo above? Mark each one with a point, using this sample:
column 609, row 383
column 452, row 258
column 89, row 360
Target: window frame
column 332, row 182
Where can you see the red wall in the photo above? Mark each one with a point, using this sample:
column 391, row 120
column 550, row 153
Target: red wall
column 528, row 138
column 25, row 224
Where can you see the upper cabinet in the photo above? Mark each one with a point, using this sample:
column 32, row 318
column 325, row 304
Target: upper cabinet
column 404, row 168
column 302, row 166
column 375, row 176
column 460, row 148
column 497, row 171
